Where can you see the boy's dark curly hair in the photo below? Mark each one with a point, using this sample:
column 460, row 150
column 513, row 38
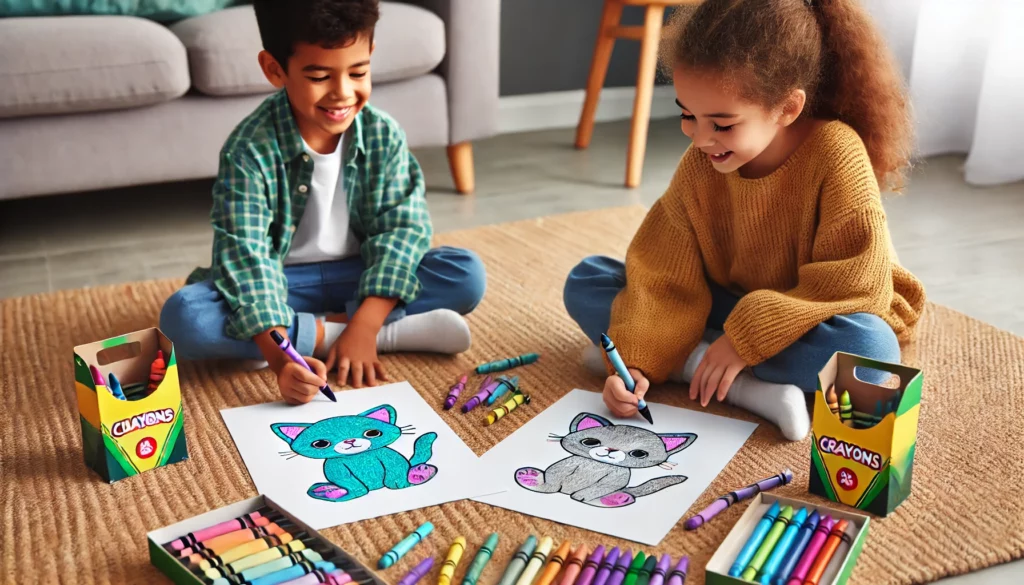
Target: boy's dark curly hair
column 328, row 23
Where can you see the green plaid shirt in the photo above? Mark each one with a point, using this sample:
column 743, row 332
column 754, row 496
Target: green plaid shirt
column 261, row 192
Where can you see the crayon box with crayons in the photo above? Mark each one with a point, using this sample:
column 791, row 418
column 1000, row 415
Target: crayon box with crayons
column 142, row 428
column 864, row 455
column 280, row 544
column 836, row 568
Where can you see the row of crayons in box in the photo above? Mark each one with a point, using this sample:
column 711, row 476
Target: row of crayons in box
column 157, row 371
column 261, row 548
column 842, row 407
column 491, row 389
column 790, row 549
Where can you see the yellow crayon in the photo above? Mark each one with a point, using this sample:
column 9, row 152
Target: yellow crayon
column 454, row 556
column 510, row 405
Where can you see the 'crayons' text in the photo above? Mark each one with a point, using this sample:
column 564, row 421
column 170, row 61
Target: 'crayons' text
column 851, row 452
column 141, row 421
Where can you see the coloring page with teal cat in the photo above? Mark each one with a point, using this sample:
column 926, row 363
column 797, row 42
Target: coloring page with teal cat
column 377, row 451
column 577, row 464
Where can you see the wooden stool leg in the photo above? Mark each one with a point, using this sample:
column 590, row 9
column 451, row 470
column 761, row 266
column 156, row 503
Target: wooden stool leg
column 644, row 92
column 460, row 161
column 598, row 68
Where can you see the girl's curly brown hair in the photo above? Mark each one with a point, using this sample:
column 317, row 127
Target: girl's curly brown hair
column 829, row 48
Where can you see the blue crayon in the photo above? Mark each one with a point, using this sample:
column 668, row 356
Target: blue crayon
column 115, row 387
column 760, row 531
column 623, row 372
column 803, row 536
column 507, row 363
column 504, row 385
column 405, row 545
column 771, row 566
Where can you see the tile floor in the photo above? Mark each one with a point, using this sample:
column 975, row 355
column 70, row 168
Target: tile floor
column 965, row 243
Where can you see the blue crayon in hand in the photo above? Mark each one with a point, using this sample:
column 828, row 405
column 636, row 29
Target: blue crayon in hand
column 771, row 566
column 627, row 379
column 760, row 531
column 803, row 536
column 405, row 545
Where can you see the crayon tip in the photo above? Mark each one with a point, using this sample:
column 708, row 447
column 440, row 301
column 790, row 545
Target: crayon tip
column 605, row 341
column 693, row 523
column 646, row 413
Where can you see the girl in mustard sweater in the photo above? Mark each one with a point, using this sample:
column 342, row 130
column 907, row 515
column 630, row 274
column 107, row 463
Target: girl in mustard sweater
column 769, row 251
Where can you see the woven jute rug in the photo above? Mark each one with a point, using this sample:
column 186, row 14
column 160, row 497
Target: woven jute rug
column 61, row 523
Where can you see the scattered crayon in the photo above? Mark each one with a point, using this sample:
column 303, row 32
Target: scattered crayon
column 417, row 572
column 678, row 575
column 846, row 409
column 510, row 405
column 828, row 550
column 644, row 576
column 293, row 572
column 262, row 569
column 114, row 385
column 518, row 563
column 590, row 566
column 453, row 393
column 537, row 559
column 832, row 400
column 607, row 565
column 236, row 559
column 771, row 566
column 507, row 363
column 739, row 495
column 451, row 561
column 574, row 565
column 770, row 540
column 755, row 540
column 157, row 371
column 661, row 570
column 554, row 564
column 619, row 571
column 215, row 530
column 505, row 385
column 486, row 388
column 799, row 544
column 812, row 550
column 405, row 545
column 634, row 569
column 483, row 555
column 218, row 544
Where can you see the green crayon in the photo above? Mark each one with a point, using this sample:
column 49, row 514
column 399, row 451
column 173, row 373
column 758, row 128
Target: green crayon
column 644, row 576
column 507, row 363
column 480, row 560
column 518, row 563
column 634, row 569
column 769, row 543
column 846, row 408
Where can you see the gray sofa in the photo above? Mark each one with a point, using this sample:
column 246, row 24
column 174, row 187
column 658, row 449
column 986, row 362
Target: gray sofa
column 96, row 102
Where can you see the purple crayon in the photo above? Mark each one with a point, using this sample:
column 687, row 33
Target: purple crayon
column 454, row 391
column 590, row 567
column 658, row 576
column 606, row 567
column 486, row 388
column 739, row 495
column 619, row 572
column 418, row 572
column 678, row 574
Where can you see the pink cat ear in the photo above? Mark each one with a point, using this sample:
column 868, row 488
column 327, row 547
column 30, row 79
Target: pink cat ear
column 385, row 414
column 290, row 431
column 589, row 422
column 676, row 442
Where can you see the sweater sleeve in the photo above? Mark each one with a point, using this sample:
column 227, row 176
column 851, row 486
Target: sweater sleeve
column 659, row 317
column 850, row 270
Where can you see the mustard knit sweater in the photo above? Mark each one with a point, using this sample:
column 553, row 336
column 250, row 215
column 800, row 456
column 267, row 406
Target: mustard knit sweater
column 801, row 245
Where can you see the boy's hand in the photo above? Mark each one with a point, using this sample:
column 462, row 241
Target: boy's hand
column 355, row 352
column 621, row 401
column 298, row 385
column 716, row 372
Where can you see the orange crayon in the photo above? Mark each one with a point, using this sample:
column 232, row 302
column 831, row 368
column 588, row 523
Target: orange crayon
column 157, row 371
column 574, row 565
column 218, row 544
column 204, row 544
column 832, row 400
column 837, row 535
column 554, row 565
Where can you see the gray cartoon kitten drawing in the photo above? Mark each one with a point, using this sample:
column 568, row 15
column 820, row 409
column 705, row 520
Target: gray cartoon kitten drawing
column 598, row 470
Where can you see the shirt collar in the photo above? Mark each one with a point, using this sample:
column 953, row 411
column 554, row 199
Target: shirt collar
column 288, row 131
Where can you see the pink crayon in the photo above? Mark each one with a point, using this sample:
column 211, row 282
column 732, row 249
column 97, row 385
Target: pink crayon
column 486, row 388
column 336, row 577
column 418, row 572
column 812, row 550
column 453, row 393
column 216, row 530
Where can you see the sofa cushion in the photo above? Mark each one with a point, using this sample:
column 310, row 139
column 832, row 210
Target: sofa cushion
column 87, row 63
column 222, row 48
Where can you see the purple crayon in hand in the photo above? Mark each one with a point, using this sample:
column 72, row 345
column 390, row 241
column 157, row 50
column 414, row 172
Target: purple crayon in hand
column 678, row 574
column 418, row 572
column 454, row 391
column 737, row 496
column 289, row 351
column 486, row 388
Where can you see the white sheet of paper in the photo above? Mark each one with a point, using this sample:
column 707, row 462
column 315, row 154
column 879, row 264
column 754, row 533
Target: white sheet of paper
column 286, row 477
column 648, row 518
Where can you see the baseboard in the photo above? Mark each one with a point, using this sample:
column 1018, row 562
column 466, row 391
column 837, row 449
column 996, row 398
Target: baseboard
column 561, row 109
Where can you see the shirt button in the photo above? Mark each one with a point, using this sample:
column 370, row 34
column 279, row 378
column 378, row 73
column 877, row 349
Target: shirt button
column 303, row 188
column 305, row 157
column 291, row 229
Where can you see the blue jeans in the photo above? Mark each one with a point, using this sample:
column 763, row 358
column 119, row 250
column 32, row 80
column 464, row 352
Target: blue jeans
column 593, row 284
column 194, row 317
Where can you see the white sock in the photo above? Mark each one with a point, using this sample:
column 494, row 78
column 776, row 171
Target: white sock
column 437, row 331
column 332, row 331
column 593, row 361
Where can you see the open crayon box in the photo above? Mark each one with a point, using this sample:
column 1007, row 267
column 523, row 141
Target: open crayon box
column 867, row 468
column 838, row 570
column 313, row 546
column 125, row 437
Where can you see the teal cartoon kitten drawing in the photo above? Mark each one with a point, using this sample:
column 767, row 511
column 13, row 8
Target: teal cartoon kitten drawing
column 356, row 453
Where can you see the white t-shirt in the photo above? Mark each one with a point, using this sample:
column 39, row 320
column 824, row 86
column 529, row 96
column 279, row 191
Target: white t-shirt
column 323, row 233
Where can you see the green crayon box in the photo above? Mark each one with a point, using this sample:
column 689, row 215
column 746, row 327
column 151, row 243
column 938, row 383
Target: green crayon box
column 168, row 560
column 122, row 438
column 867, row 466
column 838, row 570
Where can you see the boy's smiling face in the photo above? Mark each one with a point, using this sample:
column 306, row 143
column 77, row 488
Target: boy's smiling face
column 327, row 86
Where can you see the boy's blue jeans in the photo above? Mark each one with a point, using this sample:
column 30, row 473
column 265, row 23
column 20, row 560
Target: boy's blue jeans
column 593, row 284
column 194, row 317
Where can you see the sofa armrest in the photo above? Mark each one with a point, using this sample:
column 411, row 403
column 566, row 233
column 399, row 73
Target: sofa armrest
column 470, row 66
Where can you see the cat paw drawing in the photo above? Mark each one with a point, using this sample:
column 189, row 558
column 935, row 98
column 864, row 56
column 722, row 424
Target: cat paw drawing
column 356, row 455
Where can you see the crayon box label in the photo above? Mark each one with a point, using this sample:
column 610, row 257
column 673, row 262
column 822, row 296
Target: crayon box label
column 122, row 438
column 867, row 468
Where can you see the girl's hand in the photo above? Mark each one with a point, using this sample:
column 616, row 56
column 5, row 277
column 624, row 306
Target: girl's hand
column 355, row 352
column 297, row 384
column 716, row 372
column 620, row 401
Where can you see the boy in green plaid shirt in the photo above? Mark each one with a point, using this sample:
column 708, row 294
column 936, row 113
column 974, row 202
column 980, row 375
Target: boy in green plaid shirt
column 321, row 229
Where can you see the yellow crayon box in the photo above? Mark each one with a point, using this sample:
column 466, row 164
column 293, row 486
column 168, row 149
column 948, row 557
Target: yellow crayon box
column 122, row 438
column 864, row 456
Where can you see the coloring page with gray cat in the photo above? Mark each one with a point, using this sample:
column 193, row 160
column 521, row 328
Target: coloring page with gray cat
column 577, row 464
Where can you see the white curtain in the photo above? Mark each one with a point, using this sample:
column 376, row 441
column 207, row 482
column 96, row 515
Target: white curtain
column 964, row 62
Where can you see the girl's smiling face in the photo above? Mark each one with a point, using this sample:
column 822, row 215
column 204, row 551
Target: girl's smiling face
column 733, row 132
